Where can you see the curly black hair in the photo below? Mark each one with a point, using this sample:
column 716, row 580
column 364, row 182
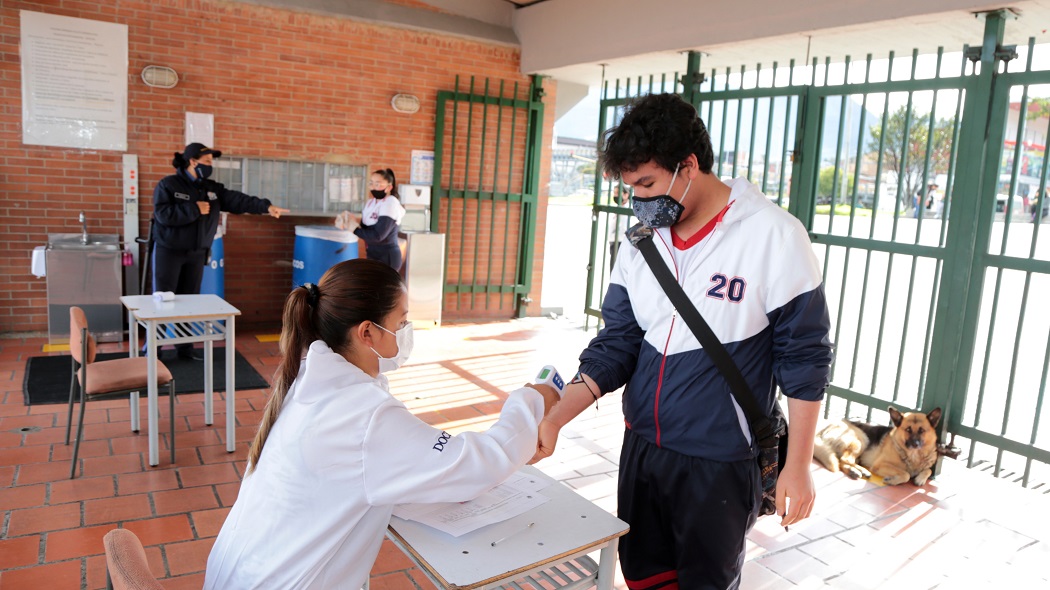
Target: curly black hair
column 662, row 128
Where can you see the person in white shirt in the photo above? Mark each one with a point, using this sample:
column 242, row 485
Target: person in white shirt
column 379, row 221
column 335, row 451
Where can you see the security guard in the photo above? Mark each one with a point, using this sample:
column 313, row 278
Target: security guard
column 186, row 208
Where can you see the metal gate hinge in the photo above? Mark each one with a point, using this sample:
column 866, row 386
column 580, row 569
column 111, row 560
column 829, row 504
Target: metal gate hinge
column 1005, row 53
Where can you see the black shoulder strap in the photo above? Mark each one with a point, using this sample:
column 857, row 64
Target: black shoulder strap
column 714, row 348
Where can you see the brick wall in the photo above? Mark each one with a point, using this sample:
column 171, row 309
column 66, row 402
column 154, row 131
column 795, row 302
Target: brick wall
column 280, row 84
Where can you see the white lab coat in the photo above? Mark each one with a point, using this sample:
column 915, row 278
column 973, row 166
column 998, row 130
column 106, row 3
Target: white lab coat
column 342, row 453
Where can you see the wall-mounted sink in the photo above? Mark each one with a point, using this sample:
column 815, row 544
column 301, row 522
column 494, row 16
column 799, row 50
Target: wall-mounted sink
column 77, row 242
column 88, row 274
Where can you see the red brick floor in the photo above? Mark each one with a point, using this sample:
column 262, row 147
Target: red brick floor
column 963, row 530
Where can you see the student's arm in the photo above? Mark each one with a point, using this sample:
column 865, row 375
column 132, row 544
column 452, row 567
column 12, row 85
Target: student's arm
column 605, row 365
column 802, row 355
column 384, row 226
column 408, row 461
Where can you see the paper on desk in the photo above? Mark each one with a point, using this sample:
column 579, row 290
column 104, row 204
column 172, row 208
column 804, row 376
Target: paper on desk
column 516, row 496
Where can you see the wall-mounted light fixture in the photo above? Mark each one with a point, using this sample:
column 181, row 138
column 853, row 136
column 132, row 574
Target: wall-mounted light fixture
column 405, row 103
column 160, row 77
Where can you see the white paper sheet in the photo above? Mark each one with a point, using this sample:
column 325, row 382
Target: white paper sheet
column 507, row 500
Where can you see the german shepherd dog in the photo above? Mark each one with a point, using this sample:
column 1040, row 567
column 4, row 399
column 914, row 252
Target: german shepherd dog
column 905, row 451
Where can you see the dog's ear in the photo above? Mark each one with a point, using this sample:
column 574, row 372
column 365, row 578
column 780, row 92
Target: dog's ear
column 895, row 416
column 934, row 417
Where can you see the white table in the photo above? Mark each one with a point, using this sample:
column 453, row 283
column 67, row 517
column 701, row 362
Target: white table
column 188, row 318
column 566, row 528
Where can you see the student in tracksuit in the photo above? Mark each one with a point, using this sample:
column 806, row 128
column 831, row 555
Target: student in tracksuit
column 689, row 482
column 381, row 219
column 335, row 451
column 186, row 208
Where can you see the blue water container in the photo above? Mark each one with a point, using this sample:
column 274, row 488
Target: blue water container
column 318, row 248
column 213, row 282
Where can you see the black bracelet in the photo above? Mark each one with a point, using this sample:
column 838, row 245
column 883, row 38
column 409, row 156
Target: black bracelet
column 578, row 378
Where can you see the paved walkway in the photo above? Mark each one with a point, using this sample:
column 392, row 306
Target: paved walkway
column 962, row 530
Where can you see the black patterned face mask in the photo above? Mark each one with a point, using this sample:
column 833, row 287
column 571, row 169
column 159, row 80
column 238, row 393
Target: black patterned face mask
column 661, row 210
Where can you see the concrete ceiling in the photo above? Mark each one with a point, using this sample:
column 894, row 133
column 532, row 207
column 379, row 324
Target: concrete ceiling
column 569, row 39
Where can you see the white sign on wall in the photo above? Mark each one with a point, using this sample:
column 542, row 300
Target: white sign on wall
column 200, row 128
column 422, row 167
column 74, row 82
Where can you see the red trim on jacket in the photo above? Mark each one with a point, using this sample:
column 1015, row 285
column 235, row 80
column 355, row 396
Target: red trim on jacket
column 705, row 231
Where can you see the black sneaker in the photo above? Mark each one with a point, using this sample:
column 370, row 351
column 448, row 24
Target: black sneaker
column 191, row 354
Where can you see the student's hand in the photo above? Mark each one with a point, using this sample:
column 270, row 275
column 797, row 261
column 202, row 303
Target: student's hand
column 550, row 396
column 275, row 211
column 548, row 438
column 795, row 494
column 204, row 206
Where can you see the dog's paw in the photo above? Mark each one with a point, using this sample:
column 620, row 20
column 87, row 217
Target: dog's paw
column 921, row 479
column 895, row 479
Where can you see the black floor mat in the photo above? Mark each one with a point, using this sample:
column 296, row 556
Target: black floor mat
column 47, row 377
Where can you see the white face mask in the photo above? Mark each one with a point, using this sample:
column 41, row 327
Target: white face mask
column 404, row 349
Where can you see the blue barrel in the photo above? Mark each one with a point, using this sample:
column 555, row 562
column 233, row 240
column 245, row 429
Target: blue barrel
column 318, row 248
column 213, row 282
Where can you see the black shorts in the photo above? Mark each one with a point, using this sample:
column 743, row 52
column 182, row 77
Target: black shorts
column 689, row 517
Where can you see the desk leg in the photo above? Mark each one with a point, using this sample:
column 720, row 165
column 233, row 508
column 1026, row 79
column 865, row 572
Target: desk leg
column 133, row 342
column 209, row 379
column 231, row 384
column 607, row 565
column 151, row 407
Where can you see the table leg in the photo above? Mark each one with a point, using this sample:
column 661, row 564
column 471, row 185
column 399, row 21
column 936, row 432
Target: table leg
column 209, row 380
column 152, row 418
column 231, row 383
column 606, row 565
column 133, row 342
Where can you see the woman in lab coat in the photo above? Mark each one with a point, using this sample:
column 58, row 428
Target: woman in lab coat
column 335, row 451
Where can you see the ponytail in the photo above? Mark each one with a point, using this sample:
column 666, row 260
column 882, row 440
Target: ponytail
column 179, row 162
column 349, row 293
column 296, row 335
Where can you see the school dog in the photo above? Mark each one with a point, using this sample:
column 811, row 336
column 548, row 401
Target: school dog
column 905, row 451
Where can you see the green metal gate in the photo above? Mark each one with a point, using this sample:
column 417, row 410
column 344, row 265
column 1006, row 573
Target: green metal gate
column 936, row 296
column 487, row 147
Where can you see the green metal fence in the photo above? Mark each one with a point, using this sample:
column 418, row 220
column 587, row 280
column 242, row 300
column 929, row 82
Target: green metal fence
column 936, row 294
column 486, row 182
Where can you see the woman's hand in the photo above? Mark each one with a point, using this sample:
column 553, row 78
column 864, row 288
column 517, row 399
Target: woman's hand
column 550, row 396
column 275, row 211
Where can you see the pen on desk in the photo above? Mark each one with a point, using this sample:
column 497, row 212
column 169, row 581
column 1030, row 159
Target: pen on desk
column 512, row 534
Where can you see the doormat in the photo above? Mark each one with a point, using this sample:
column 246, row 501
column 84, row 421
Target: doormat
column 47, row 377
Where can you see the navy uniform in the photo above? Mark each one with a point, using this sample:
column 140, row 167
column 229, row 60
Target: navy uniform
column 182, row 235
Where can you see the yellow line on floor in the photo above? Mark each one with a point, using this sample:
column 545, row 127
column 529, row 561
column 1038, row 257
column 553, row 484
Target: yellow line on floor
column 56, row 347
column 268, row 337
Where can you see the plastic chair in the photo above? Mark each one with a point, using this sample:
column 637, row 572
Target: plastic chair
column 126, row 564
column 106, row 379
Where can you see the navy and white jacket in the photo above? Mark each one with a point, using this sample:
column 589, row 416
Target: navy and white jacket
column 380, row 220
column 754, row 278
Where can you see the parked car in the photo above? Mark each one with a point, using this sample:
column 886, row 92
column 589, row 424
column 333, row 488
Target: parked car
column 1018, row 211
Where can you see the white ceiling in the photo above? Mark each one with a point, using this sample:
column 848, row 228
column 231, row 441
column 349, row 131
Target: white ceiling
column 569, row 39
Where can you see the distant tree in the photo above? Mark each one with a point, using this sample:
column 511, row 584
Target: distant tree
column 1038, row 108
column 826, row 184
column 894, row 149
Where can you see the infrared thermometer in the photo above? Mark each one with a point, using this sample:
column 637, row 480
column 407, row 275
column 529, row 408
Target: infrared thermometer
column 548, row 375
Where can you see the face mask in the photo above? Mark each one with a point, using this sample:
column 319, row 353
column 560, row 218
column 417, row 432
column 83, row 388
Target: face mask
column 661, row 210
column 378, row 194
column 203, row 171
column 404, row 349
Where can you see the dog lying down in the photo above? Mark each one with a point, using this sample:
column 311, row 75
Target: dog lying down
column 904, row 451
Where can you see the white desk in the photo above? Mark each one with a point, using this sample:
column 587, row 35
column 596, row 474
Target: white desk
column 567, row 527
column 188, row 318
